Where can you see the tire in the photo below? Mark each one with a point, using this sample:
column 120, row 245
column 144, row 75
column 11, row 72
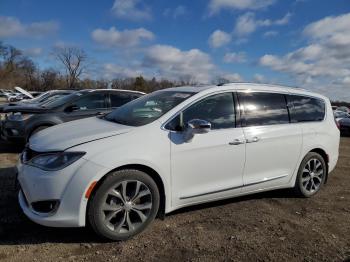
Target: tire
column 312, row 174
column 118, row 214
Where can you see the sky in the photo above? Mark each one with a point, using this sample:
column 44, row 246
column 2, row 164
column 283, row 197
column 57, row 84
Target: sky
column 304, row 43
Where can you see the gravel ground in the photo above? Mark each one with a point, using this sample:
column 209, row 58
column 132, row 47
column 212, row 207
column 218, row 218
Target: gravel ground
column 272, row 226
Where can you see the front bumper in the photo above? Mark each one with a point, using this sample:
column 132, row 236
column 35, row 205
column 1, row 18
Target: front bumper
column 68, row 186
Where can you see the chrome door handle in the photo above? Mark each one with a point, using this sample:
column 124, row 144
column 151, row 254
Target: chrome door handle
column 236, row 142
column 253, row 140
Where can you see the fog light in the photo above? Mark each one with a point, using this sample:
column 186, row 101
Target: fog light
column 49, row 206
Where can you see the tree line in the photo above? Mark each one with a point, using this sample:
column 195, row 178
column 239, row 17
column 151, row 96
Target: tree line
column 18, row 69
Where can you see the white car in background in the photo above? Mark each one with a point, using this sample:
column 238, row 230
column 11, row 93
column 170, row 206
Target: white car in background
column 175, row 148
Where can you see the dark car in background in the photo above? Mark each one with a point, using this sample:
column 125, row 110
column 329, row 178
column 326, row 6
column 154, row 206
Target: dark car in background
column 344, row 126
column 23, row 121
column 44, row 97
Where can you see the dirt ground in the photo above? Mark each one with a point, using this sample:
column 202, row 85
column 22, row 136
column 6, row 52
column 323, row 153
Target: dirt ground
column 272, row 226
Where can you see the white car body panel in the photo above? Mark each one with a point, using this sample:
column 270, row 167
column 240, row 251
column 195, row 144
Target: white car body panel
column 204, row 169
column 283, row 144
column 206, row 164
column 75, row 132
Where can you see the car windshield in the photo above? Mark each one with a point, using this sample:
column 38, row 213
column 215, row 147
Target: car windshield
column 148, row 108
column 60, row 100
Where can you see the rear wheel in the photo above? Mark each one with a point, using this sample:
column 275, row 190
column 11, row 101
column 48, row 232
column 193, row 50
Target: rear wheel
column 311, row 175
column 124, row 205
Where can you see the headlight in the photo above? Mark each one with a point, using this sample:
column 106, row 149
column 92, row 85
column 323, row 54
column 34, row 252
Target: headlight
column 55, row 161
column 19, row 116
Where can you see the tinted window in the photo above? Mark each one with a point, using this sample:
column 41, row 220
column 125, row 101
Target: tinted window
column 148, row 108
column 263, row 109
column 216, row 109
column 305, row 109
column 120, row 99
column 63, row 100
column 92, row 101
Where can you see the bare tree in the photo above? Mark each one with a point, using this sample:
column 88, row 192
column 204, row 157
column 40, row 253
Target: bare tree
column 73, row 60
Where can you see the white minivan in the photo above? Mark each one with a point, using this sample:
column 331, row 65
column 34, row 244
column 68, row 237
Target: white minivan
column 174, row 148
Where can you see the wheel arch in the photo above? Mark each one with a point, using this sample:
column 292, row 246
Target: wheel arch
column 149, row 171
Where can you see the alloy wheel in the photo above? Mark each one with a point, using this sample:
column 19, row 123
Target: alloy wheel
column 126, row 206
column 312, row 176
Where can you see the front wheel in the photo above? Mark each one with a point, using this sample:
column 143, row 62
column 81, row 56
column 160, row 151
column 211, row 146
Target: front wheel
column 124, row 205
column 311, row 175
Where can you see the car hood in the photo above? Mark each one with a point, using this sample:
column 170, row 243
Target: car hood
column 70, row 134
column 24, row 92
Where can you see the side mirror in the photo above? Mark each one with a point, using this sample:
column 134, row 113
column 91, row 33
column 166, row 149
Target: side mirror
column 196, row 126
column 72, row 108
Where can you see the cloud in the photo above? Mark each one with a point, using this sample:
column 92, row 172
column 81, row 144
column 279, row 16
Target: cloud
column 324, row 61
column 111, row 71
column 13, row 27
column 172, row 63
column 258, row 78
column 33, row 52
column 215, row 6
column 114, row 38
column 270, row 34
column 230, row 77
column 219, row 38
column 176, row 12
column 233, row 57
column 133, row 10
column 246, row 24
column 284, row 20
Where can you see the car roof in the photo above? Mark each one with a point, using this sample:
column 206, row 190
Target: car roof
column 111, row 90
column 247, row 87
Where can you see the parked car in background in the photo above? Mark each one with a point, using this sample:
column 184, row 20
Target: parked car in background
column 47, row 96
column 35, row 93
column 3, row 96
column 344, row 126
column 19, row 94
column 23, row 121
column 175, row 148
column 340, row 115
column 343, row 108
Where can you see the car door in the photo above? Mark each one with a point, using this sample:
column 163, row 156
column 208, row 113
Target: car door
column 86, row 106
column 210, row 165
column 273, row 145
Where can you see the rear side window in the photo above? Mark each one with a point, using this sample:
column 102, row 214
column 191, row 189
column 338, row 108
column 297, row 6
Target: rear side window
column 305, row 109
column 261, row 109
